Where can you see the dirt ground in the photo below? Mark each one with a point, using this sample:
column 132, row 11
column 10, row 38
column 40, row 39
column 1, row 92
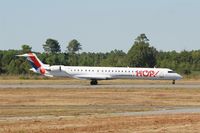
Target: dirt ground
column 184, row 123
column 94, row 110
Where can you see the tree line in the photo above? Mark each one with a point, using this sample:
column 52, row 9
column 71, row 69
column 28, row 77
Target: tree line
column 141, row 54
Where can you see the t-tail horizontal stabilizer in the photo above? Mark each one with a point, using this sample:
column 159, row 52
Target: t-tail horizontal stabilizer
column 37, row 65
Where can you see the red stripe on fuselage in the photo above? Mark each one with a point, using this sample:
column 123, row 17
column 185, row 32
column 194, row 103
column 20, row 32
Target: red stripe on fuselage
column 35, row 61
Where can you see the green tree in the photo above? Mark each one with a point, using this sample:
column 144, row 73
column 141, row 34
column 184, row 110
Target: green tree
column 141, row 54
column 73, row 46
column 51, row 46
column 185, row 56
column 56, row 59
column 1, row 66
column 73, row 59
column 168, row 59
column 26, row 48
column 18, row 66
column 115, row 58
column 86, row 59
column 90, row 59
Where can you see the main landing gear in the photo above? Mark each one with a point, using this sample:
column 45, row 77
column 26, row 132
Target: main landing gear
column 173, row 82
column 94, row 82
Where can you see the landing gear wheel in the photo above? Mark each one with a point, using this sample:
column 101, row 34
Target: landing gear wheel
column 93, row 82
column 173, row 82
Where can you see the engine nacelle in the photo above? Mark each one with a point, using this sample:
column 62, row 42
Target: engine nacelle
column 55, row 68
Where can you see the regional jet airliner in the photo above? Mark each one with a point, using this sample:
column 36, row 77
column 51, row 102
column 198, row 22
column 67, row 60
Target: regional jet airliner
column 100, row 73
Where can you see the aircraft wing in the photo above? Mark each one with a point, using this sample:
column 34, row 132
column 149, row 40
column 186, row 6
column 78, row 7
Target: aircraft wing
column 90, row 77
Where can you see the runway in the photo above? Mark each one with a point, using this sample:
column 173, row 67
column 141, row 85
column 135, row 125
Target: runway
column 79, row 86
column 160, row 112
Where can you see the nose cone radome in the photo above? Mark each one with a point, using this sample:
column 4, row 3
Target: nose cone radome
column 179, row 76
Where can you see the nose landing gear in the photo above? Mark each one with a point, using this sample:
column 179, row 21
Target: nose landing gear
column 173, row 82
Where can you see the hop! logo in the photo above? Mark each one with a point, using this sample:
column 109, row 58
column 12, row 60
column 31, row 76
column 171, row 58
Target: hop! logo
column 146, row 73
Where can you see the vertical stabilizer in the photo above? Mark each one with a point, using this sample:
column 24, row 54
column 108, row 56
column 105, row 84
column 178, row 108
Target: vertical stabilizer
column 35, row 62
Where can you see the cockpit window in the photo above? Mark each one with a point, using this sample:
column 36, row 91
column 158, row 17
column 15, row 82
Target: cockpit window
column 171, row 72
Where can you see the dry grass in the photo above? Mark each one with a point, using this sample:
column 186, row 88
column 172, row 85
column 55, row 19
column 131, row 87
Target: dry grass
column 187, row 123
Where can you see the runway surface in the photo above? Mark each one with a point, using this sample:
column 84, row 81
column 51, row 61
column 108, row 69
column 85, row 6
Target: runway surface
column 159, row 112
column 79, row 86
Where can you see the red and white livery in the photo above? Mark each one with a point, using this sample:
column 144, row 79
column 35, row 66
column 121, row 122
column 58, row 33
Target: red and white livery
column 100, row 73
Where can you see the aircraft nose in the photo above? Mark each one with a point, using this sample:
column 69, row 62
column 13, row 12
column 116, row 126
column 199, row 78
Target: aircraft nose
column 179, row 76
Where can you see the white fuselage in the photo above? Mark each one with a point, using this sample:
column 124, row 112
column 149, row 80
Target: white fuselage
column 100, row 73
column 105, row 73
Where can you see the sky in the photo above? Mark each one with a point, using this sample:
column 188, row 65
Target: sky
column 100, row 25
